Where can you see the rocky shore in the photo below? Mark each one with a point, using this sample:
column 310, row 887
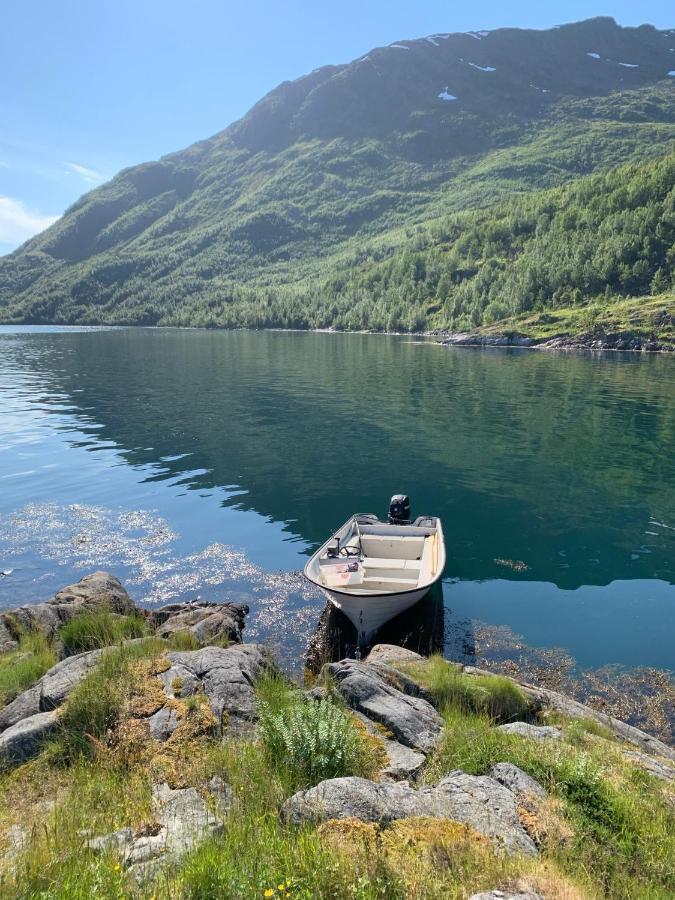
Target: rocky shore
column 195, row 707
column 622, row 340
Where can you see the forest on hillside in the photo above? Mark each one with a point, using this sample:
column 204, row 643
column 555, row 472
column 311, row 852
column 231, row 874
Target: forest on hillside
column 605, row 236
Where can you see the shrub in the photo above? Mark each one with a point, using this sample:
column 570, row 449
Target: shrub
column 91, row 631
column 21, row 668
column 314, row 740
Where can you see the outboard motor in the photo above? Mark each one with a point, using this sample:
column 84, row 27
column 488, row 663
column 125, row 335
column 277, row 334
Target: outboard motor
column 399, row 510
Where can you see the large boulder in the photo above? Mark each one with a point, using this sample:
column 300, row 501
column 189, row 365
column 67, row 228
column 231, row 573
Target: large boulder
column 99, row 591
column 478, row 801
column 384, row 696
column 26, row 738
column 210, row 623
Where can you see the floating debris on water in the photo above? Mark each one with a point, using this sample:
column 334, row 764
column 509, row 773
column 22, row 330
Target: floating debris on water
column 517, row 565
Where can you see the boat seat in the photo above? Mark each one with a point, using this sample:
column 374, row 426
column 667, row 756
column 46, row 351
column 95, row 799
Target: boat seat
column 371, row 581
column 376, row 562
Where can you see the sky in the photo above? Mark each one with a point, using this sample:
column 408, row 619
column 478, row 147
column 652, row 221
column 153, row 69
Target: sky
column 92, row 86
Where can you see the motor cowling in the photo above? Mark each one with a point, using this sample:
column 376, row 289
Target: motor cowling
column 399, row 510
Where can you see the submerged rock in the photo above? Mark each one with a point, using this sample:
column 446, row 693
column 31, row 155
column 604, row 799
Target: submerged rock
column 385, row 696
column 478, row 801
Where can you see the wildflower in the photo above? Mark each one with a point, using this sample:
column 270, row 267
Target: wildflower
column 280, row 887
column 117, row 867
column 269, row 892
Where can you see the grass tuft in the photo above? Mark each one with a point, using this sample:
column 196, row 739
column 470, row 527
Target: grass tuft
column 92, row 631
column 23, row 667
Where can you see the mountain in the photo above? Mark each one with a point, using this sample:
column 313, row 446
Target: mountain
column 288, row 215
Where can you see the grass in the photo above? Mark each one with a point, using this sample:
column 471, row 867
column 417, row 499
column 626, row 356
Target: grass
column 23, row 667
column 637, row 315
column 91, row 631
column 623, row 845
column 97, row 704
column 497, row 697
column 606, row 827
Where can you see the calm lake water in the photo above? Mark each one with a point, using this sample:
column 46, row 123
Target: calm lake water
column 196, row 463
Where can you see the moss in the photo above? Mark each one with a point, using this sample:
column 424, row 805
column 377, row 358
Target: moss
column 372, row 749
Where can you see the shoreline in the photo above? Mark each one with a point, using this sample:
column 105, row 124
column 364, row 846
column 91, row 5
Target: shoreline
column 621, row 342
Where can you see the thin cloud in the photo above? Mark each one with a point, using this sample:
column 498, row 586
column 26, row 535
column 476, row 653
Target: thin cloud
column 91, row 176
column 18, row 223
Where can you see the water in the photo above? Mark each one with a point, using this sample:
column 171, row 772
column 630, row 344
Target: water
column 212, row 463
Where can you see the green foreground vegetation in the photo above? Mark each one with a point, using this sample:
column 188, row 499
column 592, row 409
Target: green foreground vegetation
column 605, row 831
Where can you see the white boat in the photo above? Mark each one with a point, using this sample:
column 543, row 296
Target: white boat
column 373, row 570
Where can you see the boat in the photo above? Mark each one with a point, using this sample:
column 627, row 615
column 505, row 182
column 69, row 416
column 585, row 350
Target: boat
column 374, row 570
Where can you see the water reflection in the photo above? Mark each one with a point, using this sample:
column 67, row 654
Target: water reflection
column 552, row 473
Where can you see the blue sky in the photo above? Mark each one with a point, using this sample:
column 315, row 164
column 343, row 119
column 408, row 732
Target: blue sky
column 92, row 87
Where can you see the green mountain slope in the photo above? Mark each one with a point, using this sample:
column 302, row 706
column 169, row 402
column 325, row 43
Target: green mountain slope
column 279, row 219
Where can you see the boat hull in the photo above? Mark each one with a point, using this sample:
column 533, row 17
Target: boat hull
column 369, row 613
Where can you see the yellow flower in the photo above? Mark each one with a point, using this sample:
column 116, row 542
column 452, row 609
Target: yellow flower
column 269, row 892
column 117, row 867
column 280, row 887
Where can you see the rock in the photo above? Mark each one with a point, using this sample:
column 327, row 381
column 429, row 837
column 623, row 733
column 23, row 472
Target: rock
column 404, row 764
column 59, row 681
column 25, row 739
column 98, row 591
column 183, row 820
column 478, row 801
column 548, row 699
column 116, row 840
column 179, row 675
column 378, row 693
column 163, row 723
column 222, row 795
column 391, row 654
column 208, row 622
column 51, row 690
column 226, row 676
column 506, row 895
column 516, row 780
column 533, row 732
column 657, row 767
